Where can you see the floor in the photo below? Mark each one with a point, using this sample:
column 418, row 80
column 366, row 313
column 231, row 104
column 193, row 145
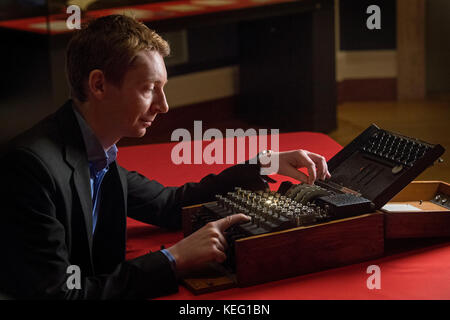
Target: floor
column 426, row 120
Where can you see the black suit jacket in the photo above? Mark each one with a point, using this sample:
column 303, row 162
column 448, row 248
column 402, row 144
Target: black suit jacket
column 46, row 217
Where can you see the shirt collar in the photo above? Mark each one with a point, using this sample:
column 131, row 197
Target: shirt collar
column 97, row 157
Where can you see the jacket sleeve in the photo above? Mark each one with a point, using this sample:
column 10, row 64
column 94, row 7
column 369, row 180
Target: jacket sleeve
column 151, row 202
column 34, row 244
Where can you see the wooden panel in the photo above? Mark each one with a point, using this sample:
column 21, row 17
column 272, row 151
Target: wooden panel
column 367, row 64
column 417, row 225
column 418, row 190
column 434, row 221
column 411, row 49
column 186, row 214
column 367, row 89
column 444, row 187
column 308, row 249
column 211, row 278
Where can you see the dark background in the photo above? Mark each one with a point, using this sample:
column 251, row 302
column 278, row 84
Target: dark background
column 355, row 35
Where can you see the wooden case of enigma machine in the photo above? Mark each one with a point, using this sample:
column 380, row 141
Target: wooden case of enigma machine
column 304, row 228
column 421, row 210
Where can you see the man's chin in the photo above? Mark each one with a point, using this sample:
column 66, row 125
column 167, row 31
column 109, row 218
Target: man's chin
column 141, row 133
column 137, row 134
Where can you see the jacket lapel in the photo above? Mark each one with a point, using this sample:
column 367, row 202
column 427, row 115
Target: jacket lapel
column 76, row 157
column 124, row 186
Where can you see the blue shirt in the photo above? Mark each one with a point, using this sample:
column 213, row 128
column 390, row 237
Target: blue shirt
column 99, row 162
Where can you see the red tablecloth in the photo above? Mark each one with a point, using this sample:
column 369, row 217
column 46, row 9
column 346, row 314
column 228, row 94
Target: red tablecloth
column 416, row 274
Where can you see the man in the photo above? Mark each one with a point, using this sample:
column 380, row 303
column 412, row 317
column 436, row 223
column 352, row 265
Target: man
column 64, row 199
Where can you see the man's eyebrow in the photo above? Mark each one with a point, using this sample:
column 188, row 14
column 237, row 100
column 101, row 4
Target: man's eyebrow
column 151, row 80
column 155, row 81
column 160, row 81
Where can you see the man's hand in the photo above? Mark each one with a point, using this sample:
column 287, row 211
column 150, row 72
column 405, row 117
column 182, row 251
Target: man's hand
column 205, row 245
column 290, row 161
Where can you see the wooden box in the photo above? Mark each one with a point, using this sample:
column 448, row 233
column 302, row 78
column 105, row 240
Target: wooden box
column 426, row 219
column 293, row 252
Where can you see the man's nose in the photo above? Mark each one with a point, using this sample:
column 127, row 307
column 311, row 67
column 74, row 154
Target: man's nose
column 160, row 105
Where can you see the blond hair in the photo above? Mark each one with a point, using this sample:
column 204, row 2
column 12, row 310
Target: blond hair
column 109, row 44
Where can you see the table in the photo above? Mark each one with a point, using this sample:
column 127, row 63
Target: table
column 421, row 272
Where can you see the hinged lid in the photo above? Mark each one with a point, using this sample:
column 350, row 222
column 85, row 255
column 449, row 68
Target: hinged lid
column 378, row 164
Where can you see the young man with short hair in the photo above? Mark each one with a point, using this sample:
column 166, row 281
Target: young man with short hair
column 65, row 200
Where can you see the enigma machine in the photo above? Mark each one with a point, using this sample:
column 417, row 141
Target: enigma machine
column 304, row 228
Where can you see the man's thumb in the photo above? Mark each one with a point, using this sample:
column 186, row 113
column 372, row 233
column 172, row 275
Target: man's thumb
column 225, row 223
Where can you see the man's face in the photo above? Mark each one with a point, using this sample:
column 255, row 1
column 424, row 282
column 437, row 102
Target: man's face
column 133, row 107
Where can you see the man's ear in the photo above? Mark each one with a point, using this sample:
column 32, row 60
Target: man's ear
column 96, row 84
